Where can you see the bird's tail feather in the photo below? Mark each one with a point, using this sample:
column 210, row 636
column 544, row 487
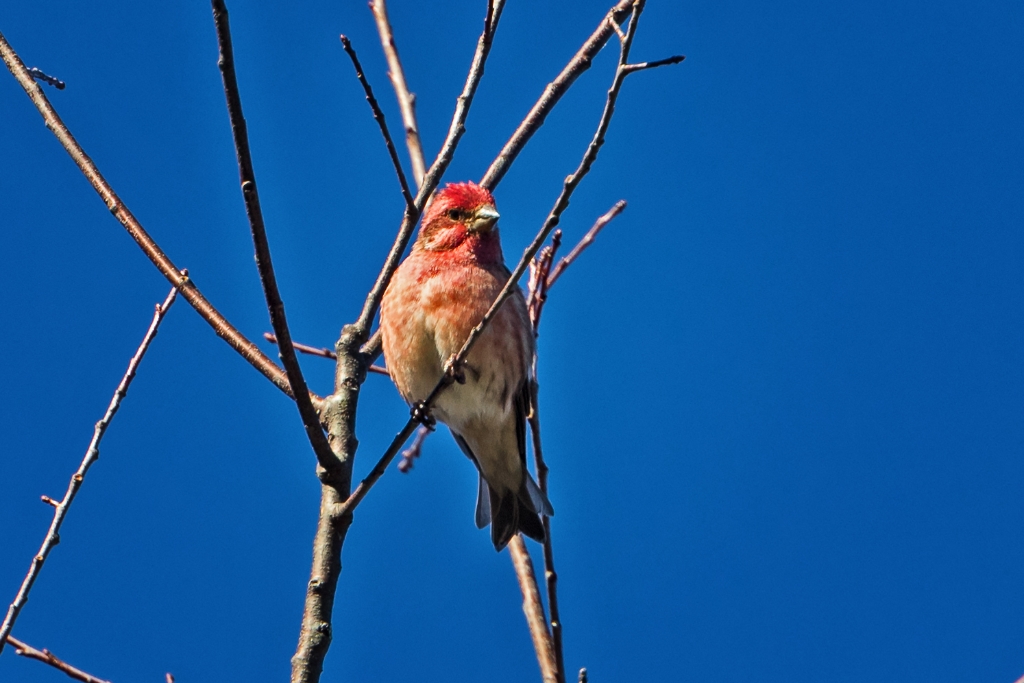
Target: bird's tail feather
column 535, row 498
column 512, row 513
column 483, row 504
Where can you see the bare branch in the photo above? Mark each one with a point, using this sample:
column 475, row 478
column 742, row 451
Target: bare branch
column 554, row 91
column 264, row 264
column 92, row 454
column 47, row 657
column 406, row 100
column 437, row 169
column 587, row 240
column 410, row 454
column 534, row 610
column 323, row 353
column 225, row 330
column 378, row 116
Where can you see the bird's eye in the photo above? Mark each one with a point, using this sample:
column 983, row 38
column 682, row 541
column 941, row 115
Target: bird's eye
column 456, row 214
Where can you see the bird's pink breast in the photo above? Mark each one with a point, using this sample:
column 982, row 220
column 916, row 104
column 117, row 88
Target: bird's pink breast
column 432, row 305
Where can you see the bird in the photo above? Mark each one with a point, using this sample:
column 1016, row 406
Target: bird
column 438, row 294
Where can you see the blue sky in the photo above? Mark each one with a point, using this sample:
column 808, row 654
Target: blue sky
column 782, row 395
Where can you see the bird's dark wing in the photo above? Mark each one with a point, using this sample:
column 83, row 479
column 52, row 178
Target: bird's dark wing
column 483, row 497
column 522, row 408
column 535, row 499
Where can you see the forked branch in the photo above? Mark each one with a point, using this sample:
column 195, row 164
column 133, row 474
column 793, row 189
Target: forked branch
column 406, row 100
column 264, row 264
column 587, row 240
column 378, row 116
column 92, row 454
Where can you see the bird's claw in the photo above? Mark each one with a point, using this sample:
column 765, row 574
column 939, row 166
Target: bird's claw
column 453, row 369
column 421, row 413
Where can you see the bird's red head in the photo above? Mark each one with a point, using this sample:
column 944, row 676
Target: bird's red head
column 459, row 213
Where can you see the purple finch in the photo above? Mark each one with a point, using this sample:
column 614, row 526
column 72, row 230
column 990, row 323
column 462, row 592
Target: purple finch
column 436, row 297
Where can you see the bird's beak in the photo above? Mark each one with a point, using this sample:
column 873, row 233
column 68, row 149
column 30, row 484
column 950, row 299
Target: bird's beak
column 484, row 219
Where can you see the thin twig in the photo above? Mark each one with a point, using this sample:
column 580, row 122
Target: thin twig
column 587, row 240
column 580, row 62
column 46, row 78
column 537, row 289
column 372, row 348
column 323, row 353
column 378, row 470
column 410, row 454
column 92, row 454
column 550, row 574
column 406, row 100
column 225, row 330
column 378, row 116
column 45, row 656
column 534, row 610
column 264, row 264
column 437, row 169
column 674, row 59
column 540, row 267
